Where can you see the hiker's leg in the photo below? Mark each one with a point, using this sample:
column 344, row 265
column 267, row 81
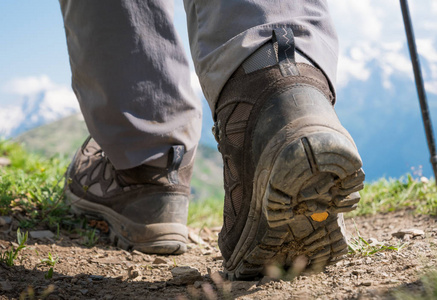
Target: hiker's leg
column 132, row 80
column 224, row 33
column 268, row 69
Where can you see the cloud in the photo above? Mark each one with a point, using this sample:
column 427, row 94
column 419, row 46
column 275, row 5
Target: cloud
column 351, row 68
column 28, row 86
column 373, row 31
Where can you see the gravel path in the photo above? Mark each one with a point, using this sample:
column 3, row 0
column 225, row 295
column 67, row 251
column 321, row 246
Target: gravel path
column 104, row 272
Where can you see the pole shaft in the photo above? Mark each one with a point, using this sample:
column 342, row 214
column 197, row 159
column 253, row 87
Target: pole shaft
column 419, row 85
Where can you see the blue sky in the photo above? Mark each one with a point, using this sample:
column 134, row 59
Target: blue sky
column 33, row 56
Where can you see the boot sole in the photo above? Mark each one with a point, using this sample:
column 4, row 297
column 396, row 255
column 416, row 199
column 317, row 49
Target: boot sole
column 299, row 194
column 160, row 238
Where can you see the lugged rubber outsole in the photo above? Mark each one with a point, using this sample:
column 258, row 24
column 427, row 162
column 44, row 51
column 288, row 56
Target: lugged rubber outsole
column 160, row 238
column 300, row 192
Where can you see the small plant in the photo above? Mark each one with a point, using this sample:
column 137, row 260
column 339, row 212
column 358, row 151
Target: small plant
column 386, row 195
column 90, row 238
column 359, row 245
column 49, row 274
column 50, row 261
column 9, row 256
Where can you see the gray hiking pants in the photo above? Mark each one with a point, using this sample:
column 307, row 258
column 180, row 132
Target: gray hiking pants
column 131, row 76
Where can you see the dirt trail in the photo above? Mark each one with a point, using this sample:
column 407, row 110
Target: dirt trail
column 104, row 272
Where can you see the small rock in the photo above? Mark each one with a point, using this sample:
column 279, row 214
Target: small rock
column 107, row 260
column 217, row 257
column 153, row 287
column 5, row 220
column 133, row 272
column 366, row 283
column 136, row 252
column 195, row 238
column 243, row 285
column 185, row 275
column 84, row 291
column 41, row 234
column 265, row 280
column 159, row 261
column 4, row 162
column 5, row 286
column 357, row 272
column 108, row 297
column 206, row 252
column 369, row 260
column 411, row 231
column 373, row 241
column 96, row 277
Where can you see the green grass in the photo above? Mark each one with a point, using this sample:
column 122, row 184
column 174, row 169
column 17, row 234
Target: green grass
column 386, row 195
column 9, row 256
column 32, row 185
column 360, row 246
column 207, row 213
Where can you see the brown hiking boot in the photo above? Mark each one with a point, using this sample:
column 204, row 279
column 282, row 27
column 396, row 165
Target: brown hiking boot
column 290, row 168
column 146, row 207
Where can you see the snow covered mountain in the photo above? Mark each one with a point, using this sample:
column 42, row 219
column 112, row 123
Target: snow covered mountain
column 36, row 108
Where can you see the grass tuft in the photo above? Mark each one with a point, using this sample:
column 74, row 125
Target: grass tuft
column 386, row 195
column 360, row 246
column 31, row 185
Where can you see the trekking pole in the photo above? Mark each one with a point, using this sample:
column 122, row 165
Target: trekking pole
column 419, row 85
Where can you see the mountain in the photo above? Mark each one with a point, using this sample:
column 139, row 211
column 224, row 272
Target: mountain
column 384, row 117
column 36, row 110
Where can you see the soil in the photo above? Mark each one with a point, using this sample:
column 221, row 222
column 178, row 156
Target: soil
column 105, row 272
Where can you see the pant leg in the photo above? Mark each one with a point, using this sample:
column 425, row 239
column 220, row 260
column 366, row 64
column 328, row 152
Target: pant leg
column 224, row 33
column 131, row 77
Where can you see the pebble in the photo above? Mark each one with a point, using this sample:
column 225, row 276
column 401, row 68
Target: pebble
column 84, row 291
column 217, row 257
column 41, row 234
column 265, row 280
column 4, row 161
column 5, row 286
column 96, row 277
column 159, row 261
column 195, row 238
column 410, row 231
column 243, row 285
column 133, row 272
column 5, row 220
column 185, row 275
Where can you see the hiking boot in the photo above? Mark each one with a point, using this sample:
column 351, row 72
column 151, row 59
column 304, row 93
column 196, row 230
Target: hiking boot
column 290, row 168
column 145, row 207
